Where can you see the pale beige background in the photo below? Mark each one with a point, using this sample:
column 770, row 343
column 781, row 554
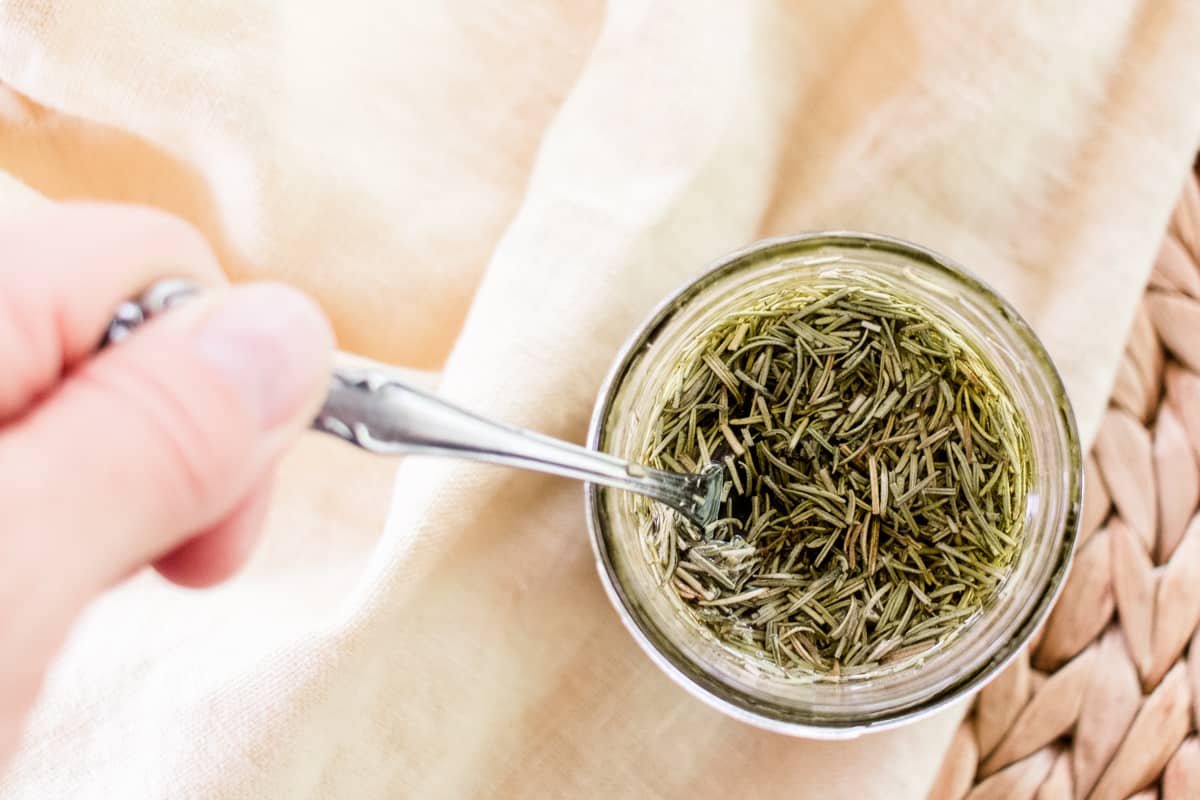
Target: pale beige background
column 498, row 192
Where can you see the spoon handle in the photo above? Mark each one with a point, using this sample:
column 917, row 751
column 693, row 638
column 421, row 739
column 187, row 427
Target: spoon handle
column 370, row 407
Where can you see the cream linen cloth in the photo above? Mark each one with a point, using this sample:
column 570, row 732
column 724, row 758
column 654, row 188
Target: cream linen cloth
column 498, row 192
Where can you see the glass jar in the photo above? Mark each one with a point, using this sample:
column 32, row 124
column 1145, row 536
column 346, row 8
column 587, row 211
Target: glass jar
column 846, row 706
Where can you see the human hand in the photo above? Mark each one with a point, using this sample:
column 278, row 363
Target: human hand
column 157, row 451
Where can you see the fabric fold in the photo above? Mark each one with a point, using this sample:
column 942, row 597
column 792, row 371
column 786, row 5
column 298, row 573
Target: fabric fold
column 503, row 195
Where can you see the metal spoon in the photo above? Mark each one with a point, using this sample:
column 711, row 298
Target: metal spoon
column 370, row 407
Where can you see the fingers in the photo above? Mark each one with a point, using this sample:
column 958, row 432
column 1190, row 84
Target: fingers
column 162, row 436
column 114, row 460
column 65, row 268
column 216, row 554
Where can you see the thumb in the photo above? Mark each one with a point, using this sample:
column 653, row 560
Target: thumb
column 162, row 436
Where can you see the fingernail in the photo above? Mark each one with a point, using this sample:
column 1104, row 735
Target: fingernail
column 272, row 343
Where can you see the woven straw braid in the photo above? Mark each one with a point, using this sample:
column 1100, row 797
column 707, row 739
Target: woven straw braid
column 1100, row 704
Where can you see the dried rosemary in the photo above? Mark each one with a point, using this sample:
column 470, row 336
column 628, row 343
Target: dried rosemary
column 874, row 479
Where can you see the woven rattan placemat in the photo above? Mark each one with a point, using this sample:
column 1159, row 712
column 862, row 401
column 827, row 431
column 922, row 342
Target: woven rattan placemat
column 1100, row 704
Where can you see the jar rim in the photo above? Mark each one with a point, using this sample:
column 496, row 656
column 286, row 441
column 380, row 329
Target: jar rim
column 677, row 664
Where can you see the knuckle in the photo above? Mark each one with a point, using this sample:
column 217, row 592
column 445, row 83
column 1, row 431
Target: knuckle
column 168, row 240
column 171, row 234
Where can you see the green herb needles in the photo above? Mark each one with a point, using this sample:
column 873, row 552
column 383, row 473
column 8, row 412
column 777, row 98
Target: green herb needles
column 875, row 480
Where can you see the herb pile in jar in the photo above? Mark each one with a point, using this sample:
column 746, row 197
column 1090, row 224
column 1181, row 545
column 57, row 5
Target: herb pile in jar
column 874, row 480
